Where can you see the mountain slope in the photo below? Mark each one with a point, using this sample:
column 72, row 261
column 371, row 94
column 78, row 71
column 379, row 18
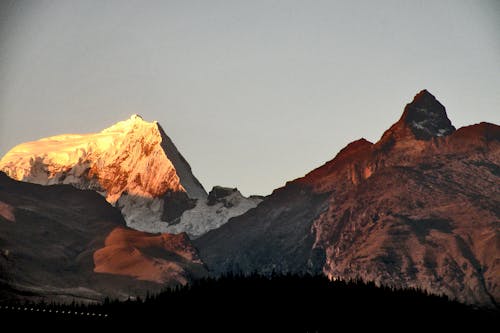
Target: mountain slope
column 417, row 209
column 133, row 163
column 57, row 241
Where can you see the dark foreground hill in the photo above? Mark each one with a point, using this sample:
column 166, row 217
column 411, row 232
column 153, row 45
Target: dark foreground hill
column 58, row 243
column 278, row 303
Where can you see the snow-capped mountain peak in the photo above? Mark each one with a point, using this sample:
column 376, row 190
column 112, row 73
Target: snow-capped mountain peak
column 128, row 157
column 133, row 163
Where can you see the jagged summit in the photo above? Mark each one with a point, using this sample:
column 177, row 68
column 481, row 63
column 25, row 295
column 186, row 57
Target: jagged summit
column 407, row 212
column 133, row 158
column 427, row 117
column 423, row 119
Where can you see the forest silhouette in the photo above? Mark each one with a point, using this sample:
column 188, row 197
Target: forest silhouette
column 278, row 303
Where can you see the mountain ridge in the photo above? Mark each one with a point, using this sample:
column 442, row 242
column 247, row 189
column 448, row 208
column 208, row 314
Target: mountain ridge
column 136, row 166
column 407, row 211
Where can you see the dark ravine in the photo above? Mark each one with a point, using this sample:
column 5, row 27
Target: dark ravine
column 419, row 208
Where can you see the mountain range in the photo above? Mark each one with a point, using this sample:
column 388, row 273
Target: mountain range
column 124, row 214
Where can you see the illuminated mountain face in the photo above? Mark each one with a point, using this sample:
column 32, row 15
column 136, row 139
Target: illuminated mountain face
column 418, row 208
column 128, row 157
column 136, row 166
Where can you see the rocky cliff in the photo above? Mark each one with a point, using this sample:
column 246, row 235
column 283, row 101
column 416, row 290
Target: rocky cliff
column 419, row 208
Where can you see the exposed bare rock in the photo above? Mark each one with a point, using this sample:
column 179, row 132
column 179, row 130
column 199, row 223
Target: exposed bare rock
column 275, row 236
column 419, row 208
column 157, row 258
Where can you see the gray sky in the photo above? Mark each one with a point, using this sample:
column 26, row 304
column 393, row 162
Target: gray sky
column 253, row 93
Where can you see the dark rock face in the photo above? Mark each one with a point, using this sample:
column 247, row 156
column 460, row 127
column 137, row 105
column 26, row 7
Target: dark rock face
column 427, row 117
column 174, row 204
column 274, row 237
column 50, row 234
column 423, row 119
column 218, row 193
column 420, row 208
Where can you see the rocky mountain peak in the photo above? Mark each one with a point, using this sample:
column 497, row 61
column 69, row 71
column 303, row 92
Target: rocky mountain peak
column 423, row 119
column 412, row 211
column 426, row 117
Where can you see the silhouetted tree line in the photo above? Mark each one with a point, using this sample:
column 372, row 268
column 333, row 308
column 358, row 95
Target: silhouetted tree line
column 278, row 303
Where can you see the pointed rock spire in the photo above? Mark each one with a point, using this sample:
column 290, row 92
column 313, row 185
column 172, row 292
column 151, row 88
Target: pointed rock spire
column 423, row 119
column 426, row 117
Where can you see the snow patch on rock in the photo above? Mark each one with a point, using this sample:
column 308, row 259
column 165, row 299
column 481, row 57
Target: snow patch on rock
column 442, row 132
column 145, row 214
column 213, row 215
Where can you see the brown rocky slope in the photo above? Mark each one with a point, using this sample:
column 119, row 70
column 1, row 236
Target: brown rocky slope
column 419, row 208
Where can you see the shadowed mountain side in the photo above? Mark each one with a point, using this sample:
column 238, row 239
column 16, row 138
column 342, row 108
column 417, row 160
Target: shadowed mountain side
column 274, row 236
column 48, row 236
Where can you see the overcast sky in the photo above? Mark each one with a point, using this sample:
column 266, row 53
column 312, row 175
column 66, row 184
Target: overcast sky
column 253, row 93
